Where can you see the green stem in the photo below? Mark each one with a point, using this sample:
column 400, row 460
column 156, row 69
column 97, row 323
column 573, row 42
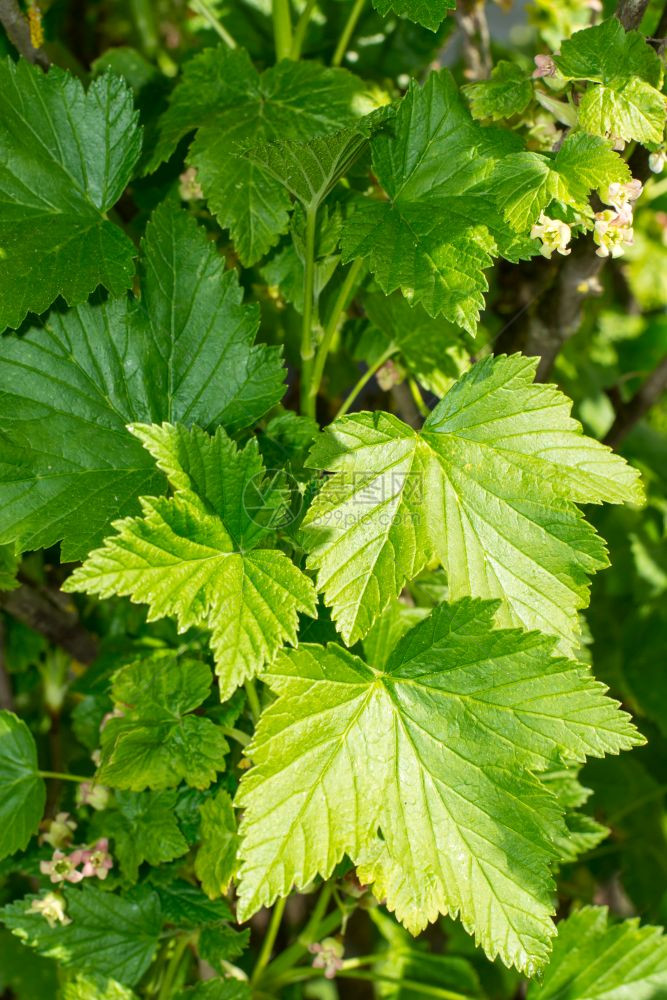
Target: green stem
column 269, row 938
column 366, row 377
column 205, row 11
column 301, row 28
column 418, row 398
column 282, row 29
column 347, row 32
column 349, row 972
column 167, row 987
column 253, row 700
column 351, row 279
column 237, row 734
column 318, row 927
column 59, row 776
column 307, row 348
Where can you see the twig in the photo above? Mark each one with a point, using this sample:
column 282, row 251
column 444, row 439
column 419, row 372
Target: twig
column 6, row 693
column 631, row 12
column 18, row 32
column 630, row 413
column 471, row 17
column 556, row 315
column 40, row 611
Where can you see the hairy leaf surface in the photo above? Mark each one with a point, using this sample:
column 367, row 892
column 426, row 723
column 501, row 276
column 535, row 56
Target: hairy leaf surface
column 156, row 742
column 438, row 229
column 196, row 555
column 65, row 158
column 108, row 934
column 185, row 352
column 594, row 959
column 488, row 488
column 232, row 107
column 424, row 773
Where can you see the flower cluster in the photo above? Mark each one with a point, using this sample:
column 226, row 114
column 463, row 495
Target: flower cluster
column 554, row 234
column 95, row 862
column 613, row 227
column 328, row 956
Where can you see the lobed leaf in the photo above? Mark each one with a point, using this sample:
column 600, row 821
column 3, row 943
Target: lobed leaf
column 426, row 773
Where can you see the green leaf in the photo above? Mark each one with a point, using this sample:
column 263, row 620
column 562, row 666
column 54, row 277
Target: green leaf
column 430, row 13
column 22, row 791
column 309, row 170
column 217, row 989
column 24, row 975
column 525, row 184
column 108, row 935
column 144, row 829
column 285, row 269
column 606, row 52
column 186, row 905
column 428, row 345
column 67, row 156
column 635, row 111
column 507, row 92
column 233, row 108
column 583, row 832
column 68, row 467
column 488, row 488
column 624, row 101
column 95, row 988
column 595, row 960
column 9, row 565
column 195, row 556
column 215, row 862
column 157, row 743
column 438, row 229
column 466, row 716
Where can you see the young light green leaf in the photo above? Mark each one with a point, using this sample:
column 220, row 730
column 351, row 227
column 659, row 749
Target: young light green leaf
column 106, row 934
column 597, row 960
column 22, row 791
column 68, row 467
column 156, row 742
column 467, row 716
column 430, row 13
column 525, row 184
column 67, row 156
column 215, row 862
column 606, row 52
column 488, row 488
column 192, row 556
column 144, row 828
column 233, row 107
column 507, row 92
column 438, row 229
column 87, row 987
column 625, row 100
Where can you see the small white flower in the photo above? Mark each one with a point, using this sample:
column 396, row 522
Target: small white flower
column 657, row 160
column 555, row 235
column 52, row 908
column 612, row 233
column 59, row 831
column 621, row 196
column 89, row 793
